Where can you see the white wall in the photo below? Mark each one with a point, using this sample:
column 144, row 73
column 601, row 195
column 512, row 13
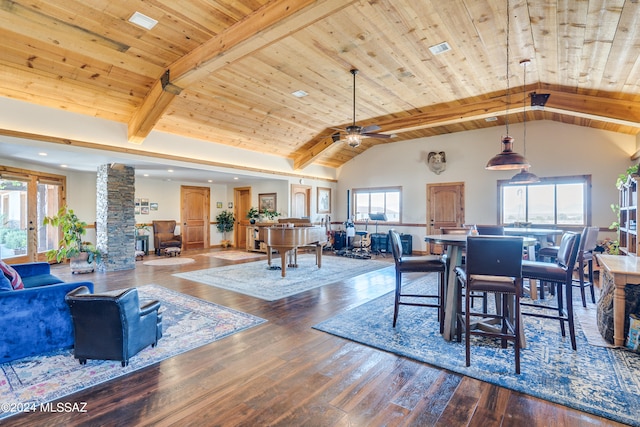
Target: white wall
column 554, row 149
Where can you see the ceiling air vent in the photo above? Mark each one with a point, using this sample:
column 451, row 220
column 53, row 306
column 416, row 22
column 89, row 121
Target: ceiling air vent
column 440, row 48
column 143, row 21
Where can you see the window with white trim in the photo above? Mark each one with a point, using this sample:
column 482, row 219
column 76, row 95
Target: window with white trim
column 385, row 200
column 552, row 201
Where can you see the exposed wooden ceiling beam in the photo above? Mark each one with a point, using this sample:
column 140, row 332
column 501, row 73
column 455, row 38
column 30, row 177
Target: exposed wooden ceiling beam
column 273, row 21
column 586, row 106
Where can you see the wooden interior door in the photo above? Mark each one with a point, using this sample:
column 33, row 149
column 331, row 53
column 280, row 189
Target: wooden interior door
column 300, row 201
column 445, row 208
column 195, row 211
column 242, row 204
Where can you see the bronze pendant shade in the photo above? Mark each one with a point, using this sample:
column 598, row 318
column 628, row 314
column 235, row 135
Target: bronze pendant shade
column 507, row 159
column 524, row 177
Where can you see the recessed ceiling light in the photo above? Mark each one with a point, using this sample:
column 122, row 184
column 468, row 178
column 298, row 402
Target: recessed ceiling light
column 236, row 178
column 170, row 170
column 491, row 119
column 440, row 48
column 299, row 94
column 146, row 174
column 64, row 166
column 143, row 21
column 209, row 180
column 42, row 154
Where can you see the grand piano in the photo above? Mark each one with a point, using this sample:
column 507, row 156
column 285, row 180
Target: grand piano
column 287, row 239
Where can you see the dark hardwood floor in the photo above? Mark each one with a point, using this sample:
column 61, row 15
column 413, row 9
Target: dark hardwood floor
column 286, row 373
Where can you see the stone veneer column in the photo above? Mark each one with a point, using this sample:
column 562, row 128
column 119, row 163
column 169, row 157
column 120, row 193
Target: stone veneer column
column 115, row 226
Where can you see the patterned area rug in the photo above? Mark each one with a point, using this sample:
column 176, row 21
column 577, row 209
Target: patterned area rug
column 188, row 323
column 256, row 280
column 170, row 261
column 597, row 380
column 234, row 255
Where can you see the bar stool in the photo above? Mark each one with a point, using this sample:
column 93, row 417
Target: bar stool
column 559, row 273
column 494, row 265
column 424, row 264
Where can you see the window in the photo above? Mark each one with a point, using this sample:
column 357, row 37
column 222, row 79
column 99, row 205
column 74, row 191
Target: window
column 26, row 197
column 377, row 200
column 552, row 201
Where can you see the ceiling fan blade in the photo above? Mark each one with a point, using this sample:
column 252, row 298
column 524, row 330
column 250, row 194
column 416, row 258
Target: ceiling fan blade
column 371, row 128
column 377, row 135
column 335, row 137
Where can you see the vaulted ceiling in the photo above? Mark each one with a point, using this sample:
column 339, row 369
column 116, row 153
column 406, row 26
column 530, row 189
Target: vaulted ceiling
column 224, row 71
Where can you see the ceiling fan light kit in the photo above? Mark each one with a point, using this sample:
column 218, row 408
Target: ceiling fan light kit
column 356, row 133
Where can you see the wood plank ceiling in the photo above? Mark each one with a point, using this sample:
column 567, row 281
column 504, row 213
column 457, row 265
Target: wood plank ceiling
column 230, row 67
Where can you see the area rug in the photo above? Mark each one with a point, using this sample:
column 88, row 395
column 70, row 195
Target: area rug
column 170, row 261
column 256, row 280
column 188, row 323
column 234, row 255
column 597, row 380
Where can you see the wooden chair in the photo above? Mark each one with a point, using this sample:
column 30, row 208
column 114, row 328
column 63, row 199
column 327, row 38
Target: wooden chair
column 494, row 265
column 424, row 264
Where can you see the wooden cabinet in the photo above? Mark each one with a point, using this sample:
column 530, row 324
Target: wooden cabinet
column 253, row 244
column 628, row 234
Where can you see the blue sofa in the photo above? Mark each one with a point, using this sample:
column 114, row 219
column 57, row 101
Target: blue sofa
column 36, row 319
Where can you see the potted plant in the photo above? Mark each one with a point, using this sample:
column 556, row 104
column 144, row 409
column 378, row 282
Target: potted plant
column 82, row 255
column 224, row 224
column 270, row 215
column 253, row 214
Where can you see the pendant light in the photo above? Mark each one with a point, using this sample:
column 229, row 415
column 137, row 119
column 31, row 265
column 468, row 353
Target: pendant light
column 524, row 176
column 507, row 159
column 354, row 133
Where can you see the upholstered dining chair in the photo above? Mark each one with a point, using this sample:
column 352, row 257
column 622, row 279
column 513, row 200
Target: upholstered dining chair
column 588, row 243
column 494, row 265
column 112, row 326
column 560, row 274
column 164, row 236
column 490, row 230
column 584, row 259
column 423, row 264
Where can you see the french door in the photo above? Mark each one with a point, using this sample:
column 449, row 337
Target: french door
column 26, row 197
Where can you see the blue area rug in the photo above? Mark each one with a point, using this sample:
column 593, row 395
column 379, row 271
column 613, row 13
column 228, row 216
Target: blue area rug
column 188, row 323
column 601, row 381
column 256, row 280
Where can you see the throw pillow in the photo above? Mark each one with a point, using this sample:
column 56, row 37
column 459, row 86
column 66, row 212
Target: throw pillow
column 5, row 284
column 11, row 274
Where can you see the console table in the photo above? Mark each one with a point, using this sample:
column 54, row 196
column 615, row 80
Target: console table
column 620, row 271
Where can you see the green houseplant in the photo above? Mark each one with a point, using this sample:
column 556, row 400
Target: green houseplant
column 81, row 254
column 253, row 214
column 271, row 215
column 225, row 221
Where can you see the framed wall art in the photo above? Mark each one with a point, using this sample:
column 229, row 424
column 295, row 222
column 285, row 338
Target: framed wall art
column 267, row 201
column 324, row 200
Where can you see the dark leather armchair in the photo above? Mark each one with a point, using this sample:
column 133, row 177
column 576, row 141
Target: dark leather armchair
column 164, row 236
column 112, row 326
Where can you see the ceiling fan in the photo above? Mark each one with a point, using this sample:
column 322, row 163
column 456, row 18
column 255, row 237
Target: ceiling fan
column 356, row 133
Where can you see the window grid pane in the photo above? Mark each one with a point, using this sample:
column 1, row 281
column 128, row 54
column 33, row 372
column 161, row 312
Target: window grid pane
column 556, row 201
column 368, row 201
